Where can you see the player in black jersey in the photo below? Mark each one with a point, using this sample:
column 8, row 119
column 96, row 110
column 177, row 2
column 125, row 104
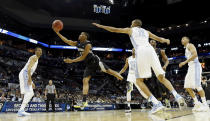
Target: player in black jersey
column 92, row 62
column 159, row 91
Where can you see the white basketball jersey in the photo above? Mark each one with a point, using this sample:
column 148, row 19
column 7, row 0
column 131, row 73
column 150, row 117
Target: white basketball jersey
column 188, row 55
column 139, row 37
column 34, row 66
column 132, row 65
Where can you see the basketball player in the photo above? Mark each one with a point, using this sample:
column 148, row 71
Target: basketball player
column 160, row 91
column 146, row 58
column 131, row 79
column 193, row 77
column 26, row 84
column 92, row 62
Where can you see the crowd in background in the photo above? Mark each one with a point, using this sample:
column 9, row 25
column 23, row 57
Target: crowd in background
column 68, row 79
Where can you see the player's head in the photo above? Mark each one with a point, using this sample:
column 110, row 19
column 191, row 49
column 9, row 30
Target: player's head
column 136, row 23
column 133, row 52
column 185, row 40
column 38, row 51
column 50, row 82
column 83, row 36
column 153, row 43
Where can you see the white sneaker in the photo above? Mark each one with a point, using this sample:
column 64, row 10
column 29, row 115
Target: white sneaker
column 205, row 108
column 197, row 106
column 26, row 114
column 156, row 108
column 20, row 113
column 181, row 102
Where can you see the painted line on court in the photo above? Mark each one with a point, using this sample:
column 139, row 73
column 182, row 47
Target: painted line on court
column 179, row 116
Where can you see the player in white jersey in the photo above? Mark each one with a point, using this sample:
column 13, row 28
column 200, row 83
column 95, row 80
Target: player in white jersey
column 146, row 58
column 131, row 63
column 26, row 84
column 193, row 77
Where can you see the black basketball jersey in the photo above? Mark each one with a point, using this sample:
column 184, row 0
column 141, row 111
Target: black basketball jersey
column 81, row 49
column 158, row 51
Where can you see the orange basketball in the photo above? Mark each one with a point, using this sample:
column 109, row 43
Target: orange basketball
column 57, row 25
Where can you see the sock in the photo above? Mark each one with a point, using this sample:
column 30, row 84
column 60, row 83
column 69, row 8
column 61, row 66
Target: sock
column 174, row 93
column 195, row 100
column 84, row 98
column 128, row 96
column 153, row 100
column 204, row 100
column 26, row 99
column 129, row 104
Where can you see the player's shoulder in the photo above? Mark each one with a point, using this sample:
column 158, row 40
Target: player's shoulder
column 190, row 45
column 33, row 57
column 129, row 57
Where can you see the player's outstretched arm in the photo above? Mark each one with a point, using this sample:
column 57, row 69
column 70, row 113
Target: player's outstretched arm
column 69, row 42
column 159, row 39
column 114, row 29
column 82, row 57
column 125, row 67
column 193, row 50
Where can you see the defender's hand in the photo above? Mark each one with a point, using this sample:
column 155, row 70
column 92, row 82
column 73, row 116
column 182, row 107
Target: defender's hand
column 97, row 25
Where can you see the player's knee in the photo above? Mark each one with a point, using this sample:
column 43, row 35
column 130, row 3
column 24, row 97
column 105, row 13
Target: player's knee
column 139, row 80
column 106, row 71
column 199, row 89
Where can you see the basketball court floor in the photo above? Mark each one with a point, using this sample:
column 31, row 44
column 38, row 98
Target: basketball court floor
column 114, row 115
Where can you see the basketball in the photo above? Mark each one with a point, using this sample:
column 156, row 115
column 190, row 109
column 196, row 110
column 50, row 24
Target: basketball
column 57, row 25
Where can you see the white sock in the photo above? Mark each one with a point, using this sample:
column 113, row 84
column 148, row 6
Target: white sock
column 128, row 96
column 195, row 100
column 153, row 100
column 204, row 100
column 129, row 104
column 26, row 99
column 174, row 93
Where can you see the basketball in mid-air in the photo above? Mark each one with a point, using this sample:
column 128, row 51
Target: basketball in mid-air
column 57, row 25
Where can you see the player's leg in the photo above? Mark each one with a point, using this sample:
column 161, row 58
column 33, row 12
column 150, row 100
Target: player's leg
column 202, row 95
column 129, row 87
column 28, row 94
column 198, row 76
column 85, row 91
column 197, row 104
column 205, row 106
column 159, row 72
column 109, row 71
column 143, row 70
column 140, row 91
column 85, row 88
column 157, row 105
column 114, row 73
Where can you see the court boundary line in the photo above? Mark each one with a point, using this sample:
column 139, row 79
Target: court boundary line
column 179, row 116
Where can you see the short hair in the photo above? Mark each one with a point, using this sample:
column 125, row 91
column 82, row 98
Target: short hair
column 138, row 22
column 37, row 48
column 87, row 35
column 186, row 37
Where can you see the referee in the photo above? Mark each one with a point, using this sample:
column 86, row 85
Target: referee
column 50, row 94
